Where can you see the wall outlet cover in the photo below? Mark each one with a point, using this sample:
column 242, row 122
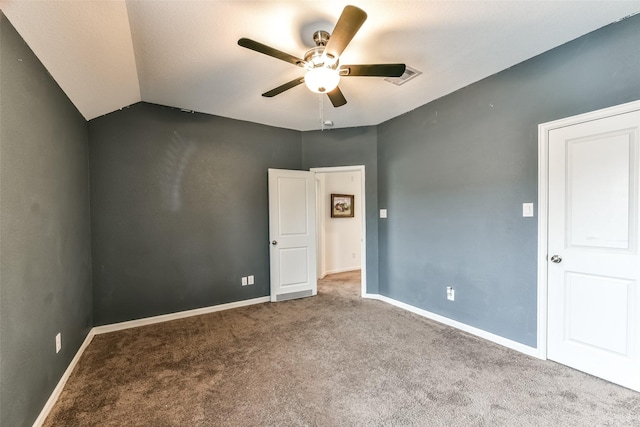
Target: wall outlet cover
column 251, row 280
column 451, row 293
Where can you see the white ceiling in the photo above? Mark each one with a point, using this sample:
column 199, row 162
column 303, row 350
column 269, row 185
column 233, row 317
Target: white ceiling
column 109, row 54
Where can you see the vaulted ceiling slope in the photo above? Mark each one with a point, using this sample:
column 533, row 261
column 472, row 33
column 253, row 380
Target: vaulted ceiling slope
column 109, row 54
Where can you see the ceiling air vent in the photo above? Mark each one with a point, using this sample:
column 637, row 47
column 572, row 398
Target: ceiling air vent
column 409, row 74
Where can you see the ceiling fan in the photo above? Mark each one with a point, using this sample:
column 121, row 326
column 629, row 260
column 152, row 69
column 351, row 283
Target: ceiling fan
column 321, row 63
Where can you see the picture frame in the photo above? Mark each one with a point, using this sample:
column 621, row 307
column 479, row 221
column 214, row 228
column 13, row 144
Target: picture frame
column 342, row 206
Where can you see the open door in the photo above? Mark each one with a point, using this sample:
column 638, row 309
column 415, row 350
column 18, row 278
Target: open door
column 292, row 234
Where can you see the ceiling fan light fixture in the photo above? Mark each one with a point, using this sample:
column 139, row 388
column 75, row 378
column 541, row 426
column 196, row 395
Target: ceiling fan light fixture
column 322, row 79
column 321, row 62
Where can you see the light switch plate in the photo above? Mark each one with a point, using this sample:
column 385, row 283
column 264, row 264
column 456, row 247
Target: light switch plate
column 527, row 209
column 383, row 213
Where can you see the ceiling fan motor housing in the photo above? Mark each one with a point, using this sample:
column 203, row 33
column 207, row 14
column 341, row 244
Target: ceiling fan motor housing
column 315, row 58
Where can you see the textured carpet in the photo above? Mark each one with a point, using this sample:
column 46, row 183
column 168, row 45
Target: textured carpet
column 330, row 360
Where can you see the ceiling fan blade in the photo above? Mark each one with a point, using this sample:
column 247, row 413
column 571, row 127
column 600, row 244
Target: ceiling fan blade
column 268, row 50
column 293, row 83
column 373, row 70
column 346, row 28
column 336, row 97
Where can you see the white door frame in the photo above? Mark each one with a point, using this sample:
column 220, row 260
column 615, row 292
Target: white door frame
column 363, row 214
column 543, row 212
column 320, row 244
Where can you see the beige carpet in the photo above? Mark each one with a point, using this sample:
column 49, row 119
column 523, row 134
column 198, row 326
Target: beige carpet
column 331, row 360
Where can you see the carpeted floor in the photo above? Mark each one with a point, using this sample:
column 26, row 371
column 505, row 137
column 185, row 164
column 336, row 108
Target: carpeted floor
column 330, row 360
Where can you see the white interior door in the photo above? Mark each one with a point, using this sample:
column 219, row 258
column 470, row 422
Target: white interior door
column 593, row 261
column 292, row 234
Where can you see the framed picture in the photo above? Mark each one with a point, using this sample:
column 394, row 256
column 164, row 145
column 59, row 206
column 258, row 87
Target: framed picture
column 342, row 206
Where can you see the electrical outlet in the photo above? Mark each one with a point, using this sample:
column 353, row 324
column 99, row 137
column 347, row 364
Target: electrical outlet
column 58, row 342
column 251, row 280
column 451, row 293
column 244, row 281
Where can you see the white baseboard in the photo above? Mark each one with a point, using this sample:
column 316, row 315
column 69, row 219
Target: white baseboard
column 179, row 315
column 514, row 345
column 63, row 380
column 126, row 325
column 342, row 270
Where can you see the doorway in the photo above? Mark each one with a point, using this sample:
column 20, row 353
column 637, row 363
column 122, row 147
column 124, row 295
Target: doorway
column 588, row 260
column 328, row 230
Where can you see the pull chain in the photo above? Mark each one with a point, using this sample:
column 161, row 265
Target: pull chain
column 321, row 113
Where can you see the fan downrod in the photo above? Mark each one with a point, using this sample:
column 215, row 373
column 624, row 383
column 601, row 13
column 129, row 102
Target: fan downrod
column 320, row 38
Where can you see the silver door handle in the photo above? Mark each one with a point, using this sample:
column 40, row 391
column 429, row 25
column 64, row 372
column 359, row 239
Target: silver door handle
column 274, row 242
column 557, row 259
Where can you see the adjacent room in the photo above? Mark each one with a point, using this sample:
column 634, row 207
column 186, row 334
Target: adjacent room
column 319, row 213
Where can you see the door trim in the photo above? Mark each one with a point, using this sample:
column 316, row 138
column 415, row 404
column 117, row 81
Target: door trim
column 363, row 219
column 543, row 210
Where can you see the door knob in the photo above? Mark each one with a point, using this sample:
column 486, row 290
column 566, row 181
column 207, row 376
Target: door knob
column 557, row 259
column 274, row 242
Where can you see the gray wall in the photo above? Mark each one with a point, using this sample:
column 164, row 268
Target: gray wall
column 454, row 174
column 180, row 209
column 45, row 279
column 350, row 147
